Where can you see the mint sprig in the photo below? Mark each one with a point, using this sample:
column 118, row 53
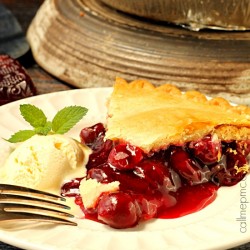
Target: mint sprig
column 33, row 115
column 63, row 121
column 21, row 136
column 66, row 118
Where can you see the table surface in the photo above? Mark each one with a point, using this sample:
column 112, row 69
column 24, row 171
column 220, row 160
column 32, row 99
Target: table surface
column 24, row 11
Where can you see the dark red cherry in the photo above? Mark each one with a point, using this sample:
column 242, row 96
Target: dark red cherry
column 71, row 188
column 154, row 172
column 128, row 180
column 101, row 150
column 208, row 150
column 125, row 156
column 118, row 210
column 243, row 147
column 148, row 207
column 232, row 171
column 131, row 182
column 152, row 205
column 181, row 162
column 103, row 173
column 88, row 135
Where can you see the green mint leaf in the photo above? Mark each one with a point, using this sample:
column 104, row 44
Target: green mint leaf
column 21, row 136
column 44, row 130
column 63, row 121
column 33, row 115
column 66, row 118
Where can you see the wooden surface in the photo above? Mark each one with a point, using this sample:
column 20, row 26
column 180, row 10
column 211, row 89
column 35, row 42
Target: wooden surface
column 45, row 83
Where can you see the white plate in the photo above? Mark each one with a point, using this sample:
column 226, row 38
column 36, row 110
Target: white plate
column 216, row 227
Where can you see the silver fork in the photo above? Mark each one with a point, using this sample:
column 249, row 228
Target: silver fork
column 21, row 203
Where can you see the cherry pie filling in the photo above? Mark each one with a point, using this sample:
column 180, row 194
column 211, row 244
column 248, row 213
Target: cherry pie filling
column 166, row 184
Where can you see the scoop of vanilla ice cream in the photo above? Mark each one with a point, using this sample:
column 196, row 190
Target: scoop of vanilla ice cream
column 45, row 162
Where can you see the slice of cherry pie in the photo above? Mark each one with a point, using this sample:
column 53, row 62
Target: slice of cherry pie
column 163, row 154
column 154, row 118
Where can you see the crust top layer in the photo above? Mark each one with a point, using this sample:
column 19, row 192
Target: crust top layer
column 153, row 118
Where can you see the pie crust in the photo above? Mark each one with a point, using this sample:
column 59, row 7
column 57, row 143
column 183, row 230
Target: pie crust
column 153, row 118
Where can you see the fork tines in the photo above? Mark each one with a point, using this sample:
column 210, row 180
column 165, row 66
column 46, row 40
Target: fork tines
column 21, row 203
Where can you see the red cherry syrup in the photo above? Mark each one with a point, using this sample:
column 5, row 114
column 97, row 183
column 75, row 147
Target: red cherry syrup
column 167, row 184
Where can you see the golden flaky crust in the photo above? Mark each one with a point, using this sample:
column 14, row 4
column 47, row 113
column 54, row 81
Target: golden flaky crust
column 153, row 118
